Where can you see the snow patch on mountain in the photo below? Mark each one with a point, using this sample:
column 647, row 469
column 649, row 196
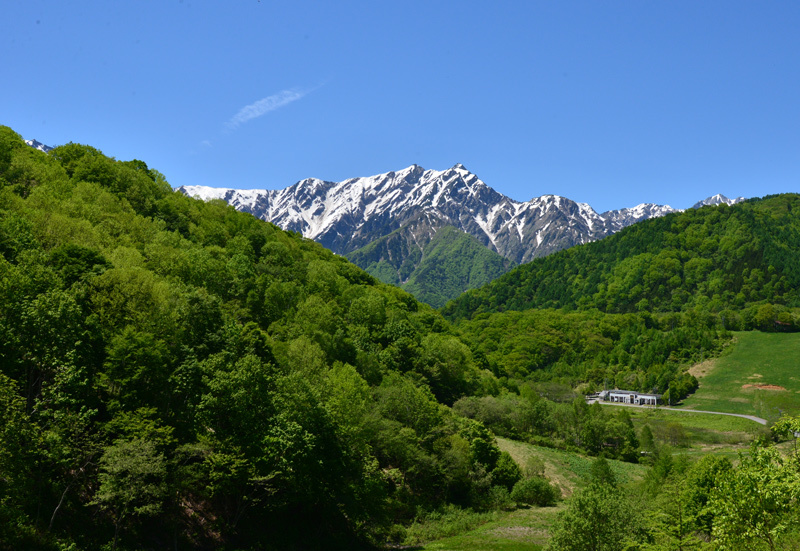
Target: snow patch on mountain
column 717, row 199
column 345, row 216
column 38, row 145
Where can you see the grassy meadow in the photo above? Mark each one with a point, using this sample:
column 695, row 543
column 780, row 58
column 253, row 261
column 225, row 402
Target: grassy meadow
column 758, row 375
column 525, row 529
column 567, row 470
column 520, row 530
column 698, row 433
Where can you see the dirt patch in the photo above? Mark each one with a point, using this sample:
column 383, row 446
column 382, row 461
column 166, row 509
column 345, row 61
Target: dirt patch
column 756, row 376
column 763, row 387
column 703, row 368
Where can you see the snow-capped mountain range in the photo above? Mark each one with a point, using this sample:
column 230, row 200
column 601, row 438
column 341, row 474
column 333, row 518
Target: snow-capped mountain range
column 345, row 216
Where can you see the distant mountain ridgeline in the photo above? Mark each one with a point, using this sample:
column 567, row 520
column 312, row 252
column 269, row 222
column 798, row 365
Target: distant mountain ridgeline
column 384, row 222
column 740, row 262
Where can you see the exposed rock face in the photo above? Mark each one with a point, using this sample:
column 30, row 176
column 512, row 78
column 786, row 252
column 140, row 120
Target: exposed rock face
column 346, row 216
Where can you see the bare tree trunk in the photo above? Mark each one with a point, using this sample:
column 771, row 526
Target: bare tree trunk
column 60, row 502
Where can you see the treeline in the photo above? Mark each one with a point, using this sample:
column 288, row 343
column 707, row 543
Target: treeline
column 590, row 350
column 723, row 260
column 177, row 374
column 598, row 431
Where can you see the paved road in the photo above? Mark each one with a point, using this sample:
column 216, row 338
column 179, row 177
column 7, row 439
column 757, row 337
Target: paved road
column 751, row 417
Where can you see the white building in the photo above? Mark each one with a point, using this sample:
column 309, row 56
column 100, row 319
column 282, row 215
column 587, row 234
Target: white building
column 629, row 397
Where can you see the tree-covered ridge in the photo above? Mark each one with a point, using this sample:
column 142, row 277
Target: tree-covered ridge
column 176, row 372
column 591, row 350
column 434, row 269
column 725, row 258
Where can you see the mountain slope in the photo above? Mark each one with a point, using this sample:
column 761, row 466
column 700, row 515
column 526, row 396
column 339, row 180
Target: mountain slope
column 718, row 258
column 433, row 265
column 348, row 215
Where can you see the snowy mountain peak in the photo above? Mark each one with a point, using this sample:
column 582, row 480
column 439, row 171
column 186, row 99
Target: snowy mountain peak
column 345, row 216
column 717, row 199
column 348, row 215
column 38, row 145
column 622, row 218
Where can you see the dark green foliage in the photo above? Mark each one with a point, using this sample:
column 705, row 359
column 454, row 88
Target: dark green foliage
column 535, row 490
column 601, row 518
column 601, row 473
column 713, row 258
column 506, row 473
column 575, row 425
column 448, row 264
column 132, row 482
column 633, row 351
column 176, row 373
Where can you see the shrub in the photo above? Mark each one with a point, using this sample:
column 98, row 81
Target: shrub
column 535, row 491
column 507, row 472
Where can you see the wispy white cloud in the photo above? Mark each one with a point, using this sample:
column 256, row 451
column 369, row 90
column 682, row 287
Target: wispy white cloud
column 264, row 106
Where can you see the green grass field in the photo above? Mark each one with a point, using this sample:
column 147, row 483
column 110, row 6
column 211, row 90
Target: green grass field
column 698, row 433
column 520, row 530
column 566, row 469
column 758, row 375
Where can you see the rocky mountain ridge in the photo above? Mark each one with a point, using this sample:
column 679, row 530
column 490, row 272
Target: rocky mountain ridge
column 346, row 216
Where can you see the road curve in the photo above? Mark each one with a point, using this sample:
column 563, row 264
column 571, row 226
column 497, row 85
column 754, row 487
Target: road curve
column 751, row 417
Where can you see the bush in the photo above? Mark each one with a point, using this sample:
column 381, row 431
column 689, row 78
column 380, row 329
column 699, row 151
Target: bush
column 507, row 472
column 499, row 499
column 535, row 491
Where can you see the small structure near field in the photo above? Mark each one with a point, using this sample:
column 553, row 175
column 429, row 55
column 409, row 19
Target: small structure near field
column 629, row 397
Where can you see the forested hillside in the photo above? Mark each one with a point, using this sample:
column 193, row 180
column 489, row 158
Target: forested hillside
column 434, row 269
column 738, row 262
column 637, row 308
column 175, row 374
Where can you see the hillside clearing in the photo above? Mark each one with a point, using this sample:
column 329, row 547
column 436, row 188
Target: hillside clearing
column 758, row 375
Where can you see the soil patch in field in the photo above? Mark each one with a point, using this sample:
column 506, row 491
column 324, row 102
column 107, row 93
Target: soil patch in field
column 763, row 387
column 703, row 368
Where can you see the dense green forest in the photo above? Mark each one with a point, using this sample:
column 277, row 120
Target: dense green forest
column 590, row 350
column 176, row 373
column 738, row 262
column 448, row 264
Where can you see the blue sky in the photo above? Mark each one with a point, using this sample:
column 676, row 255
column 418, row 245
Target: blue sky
column 608, row 103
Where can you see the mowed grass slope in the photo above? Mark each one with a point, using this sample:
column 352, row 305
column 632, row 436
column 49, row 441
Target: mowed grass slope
column 520, row 530
column 758, row 375
column 568, row 470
